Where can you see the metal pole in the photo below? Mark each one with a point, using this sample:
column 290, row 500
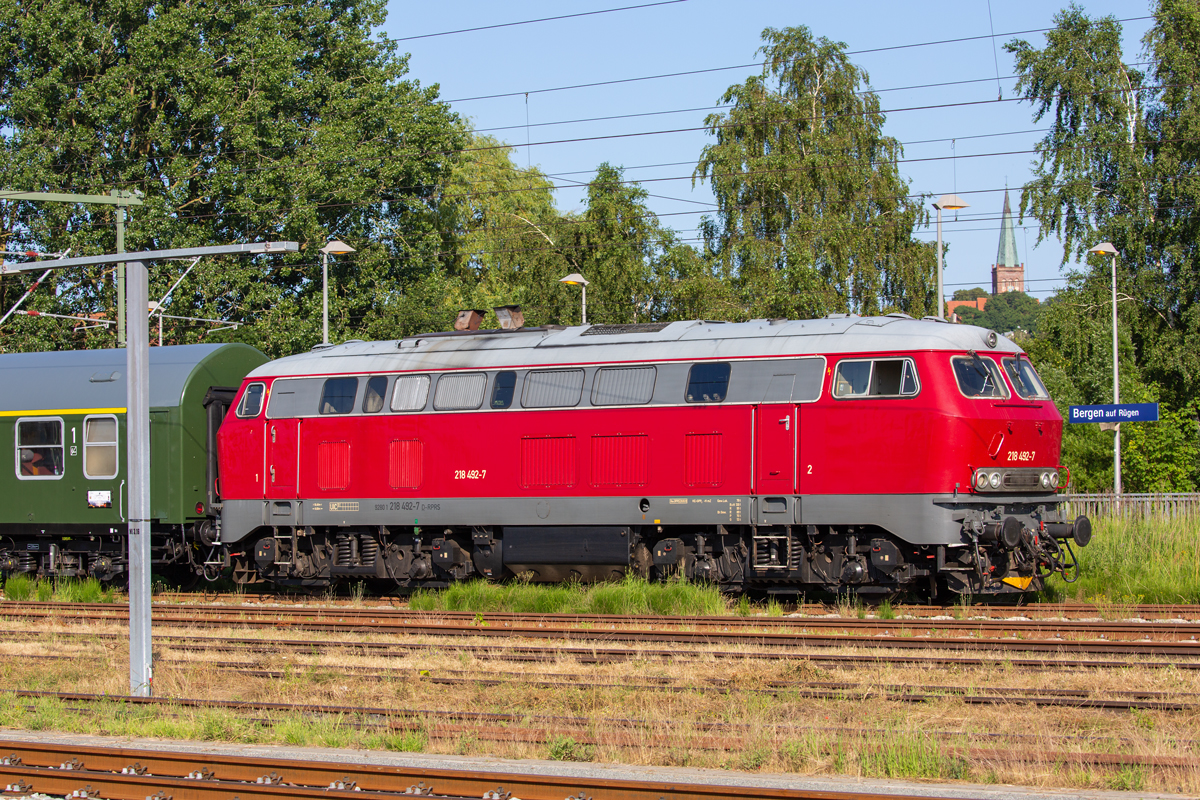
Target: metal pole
column 137, row 455
column 324, row 298
column 120, row 275
column 940, row 300
column 584, row 304
column 1116, row 387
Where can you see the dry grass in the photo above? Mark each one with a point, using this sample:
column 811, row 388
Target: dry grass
column 649, row 711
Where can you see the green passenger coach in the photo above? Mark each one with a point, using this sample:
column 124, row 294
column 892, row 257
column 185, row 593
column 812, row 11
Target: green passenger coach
column 63, row 497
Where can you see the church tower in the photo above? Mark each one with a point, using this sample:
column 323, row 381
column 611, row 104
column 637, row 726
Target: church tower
column 1008, row 274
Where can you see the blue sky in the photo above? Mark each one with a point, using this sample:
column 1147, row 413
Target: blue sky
column 661, row 149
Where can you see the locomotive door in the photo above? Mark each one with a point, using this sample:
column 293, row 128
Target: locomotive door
column 775, row 448
column 282, row 455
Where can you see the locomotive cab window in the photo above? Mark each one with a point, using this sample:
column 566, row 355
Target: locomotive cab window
column 1024, row 379
column 337, row 396
column 373, row 397
column 503, row 389
column 40, row 449
column 880, row 377
column 410, row 393
column 252, row 401
column 707, row 383
column 978, row 376
column 100, row 447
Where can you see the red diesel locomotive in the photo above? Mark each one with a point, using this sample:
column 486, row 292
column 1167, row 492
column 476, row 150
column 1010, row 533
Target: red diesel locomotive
column 878, row 454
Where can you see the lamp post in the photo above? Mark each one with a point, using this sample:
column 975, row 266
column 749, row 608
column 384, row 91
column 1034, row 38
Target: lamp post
column 575, row 279
column 335, row 247
column 950, row 202
column 1107, row 249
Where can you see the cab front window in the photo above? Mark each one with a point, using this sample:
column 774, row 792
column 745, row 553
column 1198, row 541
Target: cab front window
column 1024, row 379
column 978, row 376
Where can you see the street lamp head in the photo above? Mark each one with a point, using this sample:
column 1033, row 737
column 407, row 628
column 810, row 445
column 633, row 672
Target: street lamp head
column 1104, row 249
column 574, row 279
column 336, row 248
column 950, row 202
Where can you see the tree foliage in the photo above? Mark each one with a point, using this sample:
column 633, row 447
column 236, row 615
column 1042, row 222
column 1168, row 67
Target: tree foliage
column 1005, row 312
column 236, row 122
column 1120, row 164
column 814, row 216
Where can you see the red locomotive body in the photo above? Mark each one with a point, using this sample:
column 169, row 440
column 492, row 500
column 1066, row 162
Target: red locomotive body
column 871, row 454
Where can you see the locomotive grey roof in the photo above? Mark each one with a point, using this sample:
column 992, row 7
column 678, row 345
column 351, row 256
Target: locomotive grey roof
column 76, row 379
column 587, row 344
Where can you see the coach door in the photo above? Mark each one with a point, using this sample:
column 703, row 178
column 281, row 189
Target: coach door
column 282, row 455
column 775, row 449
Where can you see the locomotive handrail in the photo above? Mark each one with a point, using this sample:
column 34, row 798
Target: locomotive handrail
column 1141, row 505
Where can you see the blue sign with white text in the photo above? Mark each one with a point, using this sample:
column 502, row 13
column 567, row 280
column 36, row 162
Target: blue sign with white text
column 1123, row 412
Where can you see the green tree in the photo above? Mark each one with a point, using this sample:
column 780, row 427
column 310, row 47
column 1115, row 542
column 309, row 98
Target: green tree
column 970, row 294
column 1004, row 312
column 237, row 122
column 814, row 215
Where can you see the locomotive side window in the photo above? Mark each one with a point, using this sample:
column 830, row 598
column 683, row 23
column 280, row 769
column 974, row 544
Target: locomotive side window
column 707, row 383
column 881, row 377
column 410, row 393
column 502, row 390
column 978, row 377
column 252, row 401
column 552, row 388
column 460, row 392
column 100, row 447
column 40, row 449
column 623, row 386
column 337, row 396
column 373, row 398
column 1025, row 380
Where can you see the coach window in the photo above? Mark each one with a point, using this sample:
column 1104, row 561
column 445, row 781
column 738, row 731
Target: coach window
column 100, row 447
column 252, row 401
column 880, row 377
column 460, row 392
column 707, row 383
column 337, row 396
column 978, row 376
column 1024, row 379
column 503, row 388
column 373, row 398
column 40, row 449
column 552, row 388
column 410, row 393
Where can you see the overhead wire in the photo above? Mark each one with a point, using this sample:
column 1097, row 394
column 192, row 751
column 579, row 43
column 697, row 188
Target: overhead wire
column 532, row 21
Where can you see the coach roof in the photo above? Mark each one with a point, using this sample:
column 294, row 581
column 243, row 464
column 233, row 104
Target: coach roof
column 586, row 344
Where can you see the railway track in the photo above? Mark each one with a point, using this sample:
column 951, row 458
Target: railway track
column 1165, row 639
column 1182, row 611
column 122, row 773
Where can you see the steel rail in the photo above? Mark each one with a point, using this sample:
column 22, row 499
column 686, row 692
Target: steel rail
column 615, row 626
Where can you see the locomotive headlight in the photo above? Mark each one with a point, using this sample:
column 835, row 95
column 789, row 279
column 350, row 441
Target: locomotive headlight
column 1054, row 479
column 981, row 480
column 994, row 480
column 1045, row 480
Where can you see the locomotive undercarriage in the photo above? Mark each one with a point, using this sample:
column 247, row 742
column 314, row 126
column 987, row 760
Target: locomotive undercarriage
column 1004, row 550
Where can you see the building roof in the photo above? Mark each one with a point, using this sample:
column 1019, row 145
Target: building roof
column 593, row 344
column 1006, row 256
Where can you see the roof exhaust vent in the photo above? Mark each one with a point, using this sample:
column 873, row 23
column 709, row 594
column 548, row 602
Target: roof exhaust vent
column 510, row 317
column 468, row 319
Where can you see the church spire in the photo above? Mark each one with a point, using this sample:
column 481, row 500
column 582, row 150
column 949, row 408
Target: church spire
column 1006, row 256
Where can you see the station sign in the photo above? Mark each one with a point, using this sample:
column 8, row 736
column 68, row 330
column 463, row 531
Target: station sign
column 1120, row 412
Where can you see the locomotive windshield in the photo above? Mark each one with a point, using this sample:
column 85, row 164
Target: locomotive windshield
column 1025, row 380
column 978, row 377
column 708, row 383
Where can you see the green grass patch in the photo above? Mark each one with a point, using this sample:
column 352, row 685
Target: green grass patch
column 1136, row 561
column 631, row 595
column 19, row 588
column 899, row 754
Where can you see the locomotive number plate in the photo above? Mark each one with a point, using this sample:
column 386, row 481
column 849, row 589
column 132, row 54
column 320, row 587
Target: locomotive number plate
column 470, row 474
column 1021, row 455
